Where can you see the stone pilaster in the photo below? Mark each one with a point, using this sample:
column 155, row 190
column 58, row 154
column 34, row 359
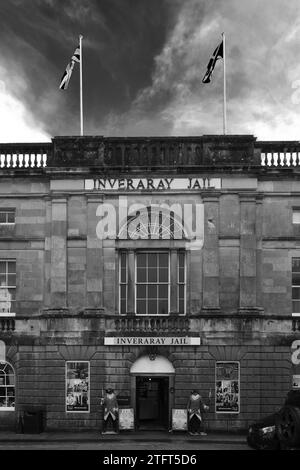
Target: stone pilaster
column 58, row 269
column 94, row 256
column 211, row 265
column 248, row 300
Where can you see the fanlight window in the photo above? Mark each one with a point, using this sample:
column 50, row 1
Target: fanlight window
column 153, row 223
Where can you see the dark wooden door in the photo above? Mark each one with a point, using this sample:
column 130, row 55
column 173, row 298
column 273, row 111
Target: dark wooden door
column 152, row 402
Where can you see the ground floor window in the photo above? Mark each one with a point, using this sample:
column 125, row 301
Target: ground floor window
column 227, row 387
column 7, row 387
column 77, row 386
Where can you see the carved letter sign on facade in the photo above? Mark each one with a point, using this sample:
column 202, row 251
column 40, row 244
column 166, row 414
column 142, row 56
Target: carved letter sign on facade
column 151, row 341
column 151, row 184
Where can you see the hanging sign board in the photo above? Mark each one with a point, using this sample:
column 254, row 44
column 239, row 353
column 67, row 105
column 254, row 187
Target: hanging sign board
column 126, row 419
column 179, row 419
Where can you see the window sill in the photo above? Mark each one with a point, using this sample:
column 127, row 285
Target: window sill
column 7, row 314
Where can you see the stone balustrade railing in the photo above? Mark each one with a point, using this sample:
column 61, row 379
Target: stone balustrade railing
column 172, row 324
column 181, row 154
column 7, row 324
column 296, row 324
column 24, row 156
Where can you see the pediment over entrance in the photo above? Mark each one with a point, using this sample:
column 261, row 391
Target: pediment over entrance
column 160, row 365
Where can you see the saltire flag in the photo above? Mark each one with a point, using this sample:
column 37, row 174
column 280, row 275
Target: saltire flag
column 69, row 69
column 218, row 54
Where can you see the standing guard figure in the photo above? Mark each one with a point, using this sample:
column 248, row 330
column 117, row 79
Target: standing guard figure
column 111, row 411
column 195, row 409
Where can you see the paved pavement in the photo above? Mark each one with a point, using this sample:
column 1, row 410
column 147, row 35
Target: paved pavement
column 177, row 447
column 96, row 436
column 127, row 440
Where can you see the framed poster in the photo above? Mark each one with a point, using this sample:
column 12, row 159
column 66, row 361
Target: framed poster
column 179, row 419
column 77, row 386
column 227, row 387
column 126, row 418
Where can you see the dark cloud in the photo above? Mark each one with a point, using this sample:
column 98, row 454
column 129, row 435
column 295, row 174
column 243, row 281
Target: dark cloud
column 144, row 62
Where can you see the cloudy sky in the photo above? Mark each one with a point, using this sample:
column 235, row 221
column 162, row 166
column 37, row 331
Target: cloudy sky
column 143, row 64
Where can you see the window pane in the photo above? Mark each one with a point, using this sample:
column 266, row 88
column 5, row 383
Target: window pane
column 141, row 274
column 181, row 306
column 141, row 307
column 11, row 402
column 2, row 217
column 163, row 275
column 123, row 306
column 152, row 260
column 123, row 291
column 2, row 267
column 141, row 291
column 164, row 260
column 12, row 267
column 181, row 275
column 296, row 293
column 181, row 291
column 296, row 306
column 163, row 291
column 3, row 280
column 152, row 307
column 296, row 264
column 141, row 260
column 10, row 380
column 11, row 280
column 152, row 292
column 11, row 217
column 181, row 260
column 163, row 307
column 296, row 279
column 152, row 275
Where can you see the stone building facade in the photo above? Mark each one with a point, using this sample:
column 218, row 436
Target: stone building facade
column 155, row 266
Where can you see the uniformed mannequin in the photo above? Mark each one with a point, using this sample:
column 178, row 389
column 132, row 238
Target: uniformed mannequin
column 195, row 409
column 111, row 410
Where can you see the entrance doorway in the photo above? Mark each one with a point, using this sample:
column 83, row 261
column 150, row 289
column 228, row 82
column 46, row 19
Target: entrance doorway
column 152, row 392
column 152, row 402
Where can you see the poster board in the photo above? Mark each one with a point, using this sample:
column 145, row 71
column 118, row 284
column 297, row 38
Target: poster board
column 179, row 419
column 228, row 387
column 296, row 382
column 126, row 419
column 77, row 387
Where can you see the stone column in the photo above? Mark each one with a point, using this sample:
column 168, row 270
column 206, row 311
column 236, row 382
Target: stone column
column 248, row 301
column 58, row 270
column 211, row 267
column 94, row 255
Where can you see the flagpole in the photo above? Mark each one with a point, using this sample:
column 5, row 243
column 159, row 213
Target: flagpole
column 224, row 87
column 81, row 100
